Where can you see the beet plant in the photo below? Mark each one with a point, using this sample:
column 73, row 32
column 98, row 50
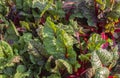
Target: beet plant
column 59, row 38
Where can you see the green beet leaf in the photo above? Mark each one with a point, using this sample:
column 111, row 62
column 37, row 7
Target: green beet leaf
column 95, row 42
column 21, row 68
column 19, row 4
column 6, row 53
column 95, row 61
column 60, row 64
column 105, row 56
column 58, row 43
column 115, row 13
column 102, row 72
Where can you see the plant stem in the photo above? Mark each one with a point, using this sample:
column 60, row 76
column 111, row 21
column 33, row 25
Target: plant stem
column 96, row 11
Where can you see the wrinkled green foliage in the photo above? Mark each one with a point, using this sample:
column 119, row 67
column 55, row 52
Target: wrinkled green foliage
column 6, row 50
column 21, row 72
column 95, row 60
column 3, row 8
column 102, row 73
column 85, row 57
column 115, row 13
column 21, row 68
column 60, row 64
column 105, row 59
column 105, row 56
column 60, row 43
column 85, row 10
column 38, row 8
column 25, row 25
column 104, row 4
column 6, row 53
column 39, row 40
column 101, row 57
column 95, row 42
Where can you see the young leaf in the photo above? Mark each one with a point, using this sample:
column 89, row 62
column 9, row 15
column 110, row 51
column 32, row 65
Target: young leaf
column 21, row 68
column 102, row 4
column 6, row 54
column 95, row 42
column 6, row 49
column 115, row 13
column 85, row 57
column 25, row 25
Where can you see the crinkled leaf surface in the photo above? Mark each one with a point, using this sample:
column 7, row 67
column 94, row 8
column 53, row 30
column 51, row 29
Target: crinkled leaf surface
column 6, row 49
column 6, row 53
column 60, row 64
column 87, row 10
column 95, row 60
column 102, row 72
column 27, row 4
column 39, row 4
column 66, row 64
column 105, row 56
column 101, row 57
column 95, row 42
column 115, row 13
column 57, row 42
column 37, row 52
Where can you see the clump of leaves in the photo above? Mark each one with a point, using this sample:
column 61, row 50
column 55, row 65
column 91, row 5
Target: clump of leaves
column 6, row 54
column 55, row 39
column 102, row 57
column 60, row 43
